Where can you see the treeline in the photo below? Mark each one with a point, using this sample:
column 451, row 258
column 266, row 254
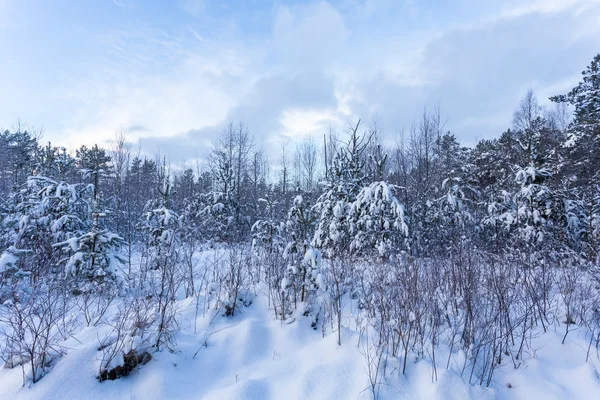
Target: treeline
column 547, row 162
column 474, row 247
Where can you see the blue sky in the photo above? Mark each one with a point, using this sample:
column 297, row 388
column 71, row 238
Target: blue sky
column 171, row 74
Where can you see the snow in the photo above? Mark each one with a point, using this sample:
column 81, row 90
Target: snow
column 338, row 210
column 253, row 356
column 218, row 207
column 73, row 243
column 312, row 256
column 7, row 260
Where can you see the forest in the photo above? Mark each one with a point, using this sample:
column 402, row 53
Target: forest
column 422, row 247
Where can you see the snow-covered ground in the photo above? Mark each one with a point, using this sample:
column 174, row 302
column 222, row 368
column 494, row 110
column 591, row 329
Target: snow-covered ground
column 253, row 356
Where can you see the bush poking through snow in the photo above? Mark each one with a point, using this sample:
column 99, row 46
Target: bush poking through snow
column 34, row 326
column 130, row 361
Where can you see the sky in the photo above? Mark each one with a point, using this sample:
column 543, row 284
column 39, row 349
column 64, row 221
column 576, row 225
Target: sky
column 170, row 75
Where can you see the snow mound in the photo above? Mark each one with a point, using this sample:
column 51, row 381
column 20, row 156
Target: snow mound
column 253, row 356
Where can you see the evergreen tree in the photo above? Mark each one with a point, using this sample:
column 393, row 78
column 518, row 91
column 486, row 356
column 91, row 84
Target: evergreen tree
column 376, row 221
column 346, row 177
column 584, row 152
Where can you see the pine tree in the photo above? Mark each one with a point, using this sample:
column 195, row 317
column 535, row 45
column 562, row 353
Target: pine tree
column 17, row 153
column 583, row 144
column 376, row 221
column 48, row 213
column 94, row 165
column 95, row 261
column 332, row 208
column 303, row 259
column 267, row 233
column 162, row 227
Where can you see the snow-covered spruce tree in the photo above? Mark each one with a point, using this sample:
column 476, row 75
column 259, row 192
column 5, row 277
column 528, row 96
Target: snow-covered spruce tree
column 450, row 219
column 378, row 230
column 345, row 179
column 268, row 246
column 192, row 239
column 90, row 255
column 533, row 200
column 17, row 152
column 533, row 205
column 213, row 212
column 527, row 205
column 95, row 261
column 53, row 220
column 55, row 163
column 583, row 146
column 451, row 213
column 333, row 233
column 267, row 232
column 296, row 278
column 266, row 235
column 530, row 245
column 141, row 186
column 229, row 165
column 496, row 222
column 303, row 260
column 523, row 218
column 586, row 100
column 94, row 166
column 92, row 258
column 37, row 312
column 162, row 228
column 493, row 163
column 47, row 212
column 117, row 208
column 376, row 220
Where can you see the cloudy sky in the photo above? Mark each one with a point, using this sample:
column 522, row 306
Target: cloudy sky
column 170, row 74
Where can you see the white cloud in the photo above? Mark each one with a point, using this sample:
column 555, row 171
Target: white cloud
column 297, row 123
column 543, row 6
column 310, row 36
column 187, row 88
column 319, row 65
